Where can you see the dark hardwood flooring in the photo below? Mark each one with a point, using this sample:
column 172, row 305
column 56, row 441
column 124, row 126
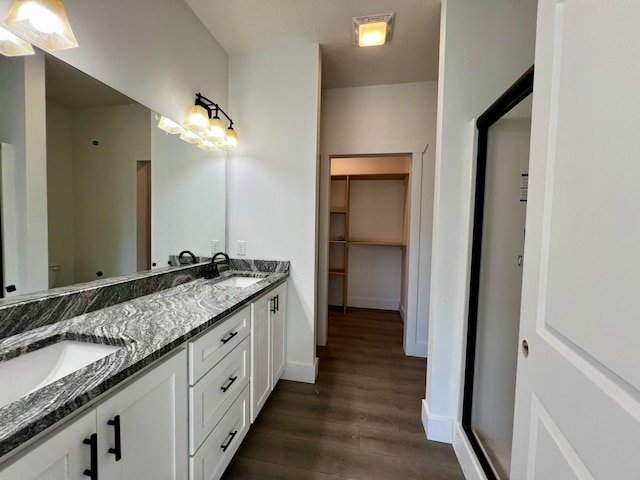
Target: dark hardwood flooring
column 360, row 420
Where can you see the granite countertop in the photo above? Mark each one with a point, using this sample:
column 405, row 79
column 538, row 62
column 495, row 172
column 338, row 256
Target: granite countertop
column 147, row 328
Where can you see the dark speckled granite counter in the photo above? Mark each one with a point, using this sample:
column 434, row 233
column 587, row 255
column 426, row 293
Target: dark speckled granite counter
column 147, row 328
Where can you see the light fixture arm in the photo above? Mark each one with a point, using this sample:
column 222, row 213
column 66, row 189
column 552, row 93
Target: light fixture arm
column 211, row 106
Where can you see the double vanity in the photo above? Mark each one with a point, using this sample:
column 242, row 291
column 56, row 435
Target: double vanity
column 163, row 385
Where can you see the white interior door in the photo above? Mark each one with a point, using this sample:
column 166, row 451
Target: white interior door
column 577, row 409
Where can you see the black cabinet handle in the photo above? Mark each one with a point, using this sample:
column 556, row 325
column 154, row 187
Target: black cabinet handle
column 277, row 303
column 224, row 446
column 231, row 335
column 117, row 451
column 93, row 471
column 273, row 305
column 224, row 388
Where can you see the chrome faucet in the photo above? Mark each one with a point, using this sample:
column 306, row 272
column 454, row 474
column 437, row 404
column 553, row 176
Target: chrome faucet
column 212, row 268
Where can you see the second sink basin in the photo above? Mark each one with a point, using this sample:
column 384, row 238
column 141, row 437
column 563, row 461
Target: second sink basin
column 31, row 371
column 238, row 282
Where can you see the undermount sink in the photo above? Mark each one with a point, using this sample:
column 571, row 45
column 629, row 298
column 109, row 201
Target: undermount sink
column 238, row 282
column 31, row 371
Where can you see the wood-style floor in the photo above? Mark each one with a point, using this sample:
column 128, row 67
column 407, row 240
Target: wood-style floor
column 361, row 419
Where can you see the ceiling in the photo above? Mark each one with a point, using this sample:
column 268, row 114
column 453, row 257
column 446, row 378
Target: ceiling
column 245, row 26
column 71, row 88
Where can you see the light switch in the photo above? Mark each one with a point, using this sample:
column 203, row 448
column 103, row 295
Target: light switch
column 242, row 247
column 215, row 246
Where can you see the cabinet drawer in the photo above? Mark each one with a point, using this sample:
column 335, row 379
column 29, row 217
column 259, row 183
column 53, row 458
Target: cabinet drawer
column 216, row 452
column 212, row 346
column 214, row 393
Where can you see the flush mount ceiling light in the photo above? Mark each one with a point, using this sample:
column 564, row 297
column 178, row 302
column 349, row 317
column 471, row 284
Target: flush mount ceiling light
column 13, row 46
column 372, row 30
column 203, row 118
column 42, row 22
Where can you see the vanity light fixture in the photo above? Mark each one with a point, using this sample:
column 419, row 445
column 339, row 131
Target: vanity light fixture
column 203, row 113
column 13, row 46
column 190, row 137
column 42, row 22
column 372, row 30
column 170, row 126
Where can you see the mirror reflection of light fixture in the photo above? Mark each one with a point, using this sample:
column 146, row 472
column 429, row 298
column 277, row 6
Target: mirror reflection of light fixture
column 13, row 46
column 205, row 112
column 170, row 126
column 208, row 146
column 42, row 22
column 190, row 137
column 372, row 30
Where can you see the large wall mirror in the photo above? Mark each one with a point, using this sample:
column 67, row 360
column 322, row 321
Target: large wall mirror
column 121, row 195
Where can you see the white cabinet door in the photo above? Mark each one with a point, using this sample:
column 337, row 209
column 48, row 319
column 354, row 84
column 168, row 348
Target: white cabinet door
column 261, row 355
column 152, row 416
column 61, row 456
column 577, row 412
column 278, row 332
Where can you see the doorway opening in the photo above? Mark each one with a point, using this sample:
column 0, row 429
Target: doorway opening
column 143, row 215
column 368, row 232
column 504, row 132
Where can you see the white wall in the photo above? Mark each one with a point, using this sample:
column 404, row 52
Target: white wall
column 13, row 132
column 60, row 204
column 155, row 51
column 144, row 49
column 104, row 181
column 188, row 197
column 386, row 119
column 484, row 48
column 274, row 98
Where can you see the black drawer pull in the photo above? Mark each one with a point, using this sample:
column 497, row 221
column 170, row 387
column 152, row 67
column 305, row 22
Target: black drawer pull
column 228, row 386
column 231, row 335
column 274, row 308
column 224, row 446
column 93, row 471
column 277, row 303
column 117, row 451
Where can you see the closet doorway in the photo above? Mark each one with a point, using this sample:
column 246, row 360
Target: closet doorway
column 368, row 232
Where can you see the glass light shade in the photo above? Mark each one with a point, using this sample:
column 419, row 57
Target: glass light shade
column 371, row 34
column 190, row 137
column 208, row 146
column 169, row 126
column 231, row 139
column 42, row 22
column 216, row 129
column 197, row 120
column 13, row 46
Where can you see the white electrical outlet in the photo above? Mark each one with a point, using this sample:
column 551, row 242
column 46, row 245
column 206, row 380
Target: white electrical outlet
column 215, row 246
column 242, row 247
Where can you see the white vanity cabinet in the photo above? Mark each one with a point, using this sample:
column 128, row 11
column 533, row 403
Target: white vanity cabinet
column 60, row 456
column 143, row 422
column 219, row 376
column 268, row 331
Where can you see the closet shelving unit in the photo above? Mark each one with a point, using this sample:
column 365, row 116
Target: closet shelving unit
column 340, row 217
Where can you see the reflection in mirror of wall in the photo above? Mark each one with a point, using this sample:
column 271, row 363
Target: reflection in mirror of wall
column 120, row 194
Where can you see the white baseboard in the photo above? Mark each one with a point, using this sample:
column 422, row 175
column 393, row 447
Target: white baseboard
column 403, row 313
column 374, row 303
column 466, row 456
column 301, row 372
column 416, row 349
column 437, row 429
